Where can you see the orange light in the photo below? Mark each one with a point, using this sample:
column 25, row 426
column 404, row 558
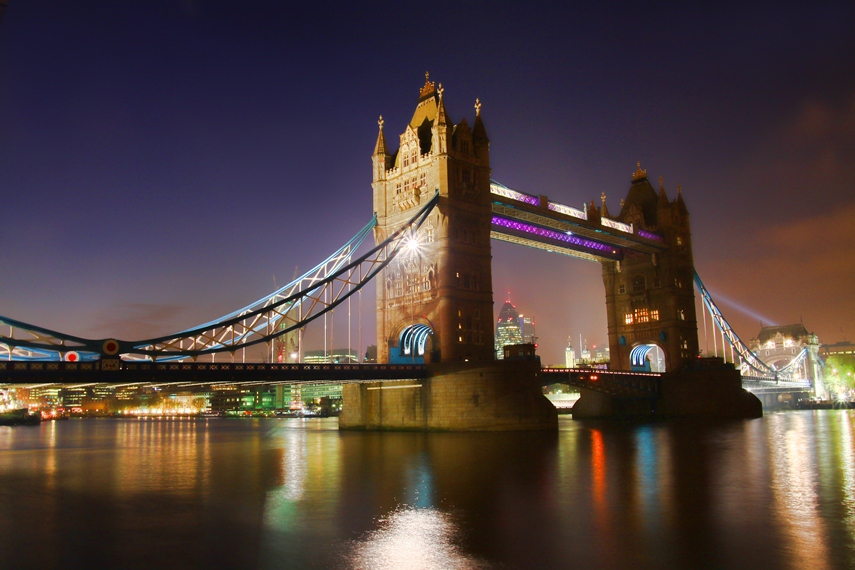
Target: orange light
column 593, row 376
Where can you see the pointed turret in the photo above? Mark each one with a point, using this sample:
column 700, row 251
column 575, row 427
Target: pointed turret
column 593, row 213
column 439, row 131
column 380, row 147
column 479, row 136
column 381, row 157
column 605, row 211
column 643, row 196
column 479, row 133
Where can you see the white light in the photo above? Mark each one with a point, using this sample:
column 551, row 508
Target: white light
column 411, row 243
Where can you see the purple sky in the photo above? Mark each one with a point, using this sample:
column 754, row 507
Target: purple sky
column 162, row 162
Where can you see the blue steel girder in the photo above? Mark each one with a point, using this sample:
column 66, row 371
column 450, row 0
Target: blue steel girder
column 748, row 358
column 291, row 307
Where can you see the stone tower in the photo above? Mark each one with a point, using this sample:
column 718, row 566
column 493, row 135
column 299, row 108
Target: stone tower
column 650, row 299
column 435, row 300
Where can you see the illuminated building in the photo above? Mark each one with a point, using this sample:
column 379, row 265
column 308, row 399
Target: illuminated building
column 507, row 329
column 334, row 356
column 569, row 355
column 527, row 330
column 779, row 346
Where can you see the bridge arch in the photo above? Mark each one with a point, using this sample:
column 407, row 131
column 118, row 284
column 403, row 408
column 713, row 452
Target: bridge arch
column 647, row 357
column 416, row 343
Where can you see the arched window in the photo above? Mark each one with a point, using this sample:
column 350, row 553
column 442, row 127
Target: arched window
column 639, row 283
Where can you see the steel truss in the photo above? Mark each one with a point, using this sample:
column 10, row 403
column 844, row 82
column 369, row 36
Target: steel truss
column 749, row 359
column 291, row 307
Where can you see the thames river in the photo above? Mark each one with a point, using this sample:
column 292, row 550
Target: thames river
column 777, row 492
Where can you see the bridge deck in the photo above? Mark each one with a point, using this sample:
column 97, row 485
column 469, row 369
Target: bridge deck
column 24, row 372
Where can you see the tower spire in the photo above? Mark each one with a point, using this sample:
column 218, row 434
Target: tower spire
column 380, row 148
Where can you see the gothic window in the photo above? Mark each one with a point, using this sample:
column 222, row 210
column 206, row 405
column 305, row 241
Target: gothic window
column 406, row 159
column 429, row 235
column 464, row 146
column 679, row 241
column 639, row 283
column 641, row 315
column 422, row 179
column 621, row 288
column 466, row 174
column 628, row 317
column 398, row 188
column 413, row 157
column 399, row 288
column 682, row 314
column 654, row 314
column 656, row 283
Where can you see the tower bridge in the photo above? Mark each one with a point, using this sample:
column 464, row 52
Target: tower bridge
column 437, row 208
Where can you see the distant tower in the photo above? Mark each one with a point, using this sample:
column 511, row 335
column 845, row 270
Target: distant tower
column 507, row 329
column 569, row 354
column 435, row 303
column 650, row 299
column 586, row 354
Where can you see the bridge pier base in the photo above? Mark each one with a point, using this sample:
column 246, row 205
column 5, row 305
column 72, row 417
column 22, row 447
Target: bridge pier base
column 495, row 396
column 696, row 393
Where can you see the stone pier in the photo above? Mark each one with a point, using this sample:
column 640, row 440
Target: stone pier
column 686, row 394
column 494, row 396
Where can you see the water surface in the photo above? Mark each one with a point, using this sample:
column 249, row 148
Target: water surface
column 777, row 492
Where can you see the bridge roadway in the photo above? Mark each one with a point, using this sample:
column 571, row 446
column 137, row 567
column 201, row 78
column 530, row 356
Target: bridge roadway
column 624, row 384
column 628, row 385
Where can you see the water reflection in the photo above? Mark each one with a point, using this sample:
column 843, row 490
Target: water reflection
column 776, row 492
column 411, row 539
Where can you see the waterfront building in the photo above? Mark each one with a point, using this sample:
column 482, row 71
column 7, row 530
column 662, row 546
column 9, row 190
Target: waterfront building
column 843, row 350
column 778, row 346
column 507, row 329
column 334, row 356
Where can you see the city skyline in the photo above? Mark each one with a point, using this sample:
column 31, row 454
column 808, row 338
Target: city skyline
column 152, row 183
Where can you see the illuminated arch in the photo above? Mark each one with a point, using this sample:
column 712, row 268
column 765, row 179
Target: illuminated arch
column 647, row 358
column 413, row 340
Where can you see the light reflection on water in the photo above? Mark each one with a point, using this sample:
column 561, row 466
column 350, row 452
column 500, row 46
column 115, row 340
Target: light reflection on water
column 411, row 539
column 777, row 492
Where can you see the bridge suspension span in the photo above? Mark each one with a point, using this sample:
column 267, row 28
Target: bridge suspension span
column 750, row 364
column 291, row 307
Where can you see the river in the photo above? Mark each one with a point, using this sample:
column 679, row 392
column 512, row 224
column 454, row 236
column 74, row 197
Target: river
column 777, row 492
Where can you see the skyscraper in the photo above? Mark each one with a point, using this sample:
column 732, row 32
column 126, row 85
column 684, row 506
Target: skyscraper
column 527, row 329
column 507, row 329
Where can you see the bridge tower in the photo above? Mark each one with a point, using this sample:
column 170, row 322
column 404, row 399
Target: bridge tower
column 650, row 298
column 435, row 299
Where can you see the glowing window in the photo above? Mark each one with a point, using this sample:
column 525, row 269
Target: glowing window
column 641, row 315
column 629, row 318
column 654, row 314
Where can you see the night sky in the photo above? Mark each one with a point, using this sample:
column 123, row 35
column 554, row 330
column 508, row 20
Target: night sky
column 164, row 163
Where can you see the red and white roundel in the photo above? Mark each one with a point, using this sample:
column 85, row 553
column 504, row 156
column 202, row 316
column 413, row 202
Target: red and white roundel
column 72, row 356
column 110, row 347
